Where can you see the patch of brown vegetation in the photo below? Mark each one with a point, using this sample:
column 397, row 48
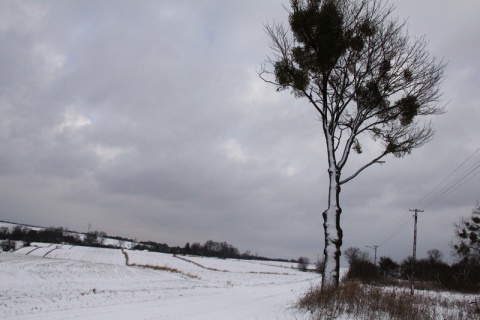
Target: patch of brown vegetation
column 368, row 302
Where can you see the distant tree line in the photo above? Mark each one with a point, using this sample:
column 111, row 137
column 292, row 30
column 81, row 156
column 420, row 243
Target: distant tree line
column 430, row 272
column 462, row 275
column 49, row 235
column 155, row 247
column 223, row 250
column 98, row 239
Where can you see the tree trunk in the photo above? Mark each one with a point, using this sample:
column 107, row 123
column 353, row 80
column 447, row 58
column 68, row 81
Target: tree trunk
column 333, row 231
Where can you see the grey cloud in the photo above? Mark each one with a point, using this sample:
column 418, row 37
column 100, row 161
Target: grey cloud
column 147, row 119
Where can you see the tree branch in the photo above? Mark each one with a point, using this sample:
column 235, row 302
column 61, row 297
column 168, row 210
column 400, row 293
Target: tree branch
column 364, row 167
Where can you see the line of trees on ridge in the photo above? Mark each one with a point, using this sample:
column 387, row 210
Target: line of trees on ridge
column 27, row 235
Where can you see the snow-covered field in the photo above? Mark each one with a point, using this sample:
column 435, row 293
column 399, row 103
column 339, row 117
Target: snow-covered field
column 68, row 252
column 69, row 282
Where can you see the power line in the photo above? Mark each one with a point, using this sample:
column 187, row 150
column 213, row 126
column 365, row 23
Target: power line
column 435, row 195
column 392, row 234
column 438, row 185
column 467, row 180
column 393, row 229
column 455, row 185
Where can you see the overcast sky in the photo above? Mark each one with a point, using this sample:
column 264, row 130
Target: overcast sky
column 147, row 119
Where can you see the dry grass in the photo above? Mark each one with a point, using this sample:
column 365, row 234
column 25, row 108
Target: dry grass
column 127, row 259
column 199, row 265
column 359, row 301
column 160, row 268
column 163, row 268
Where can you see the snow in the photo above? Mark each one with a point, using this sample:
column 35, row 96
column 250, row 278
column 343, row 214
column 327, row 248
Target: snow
column 69, row 252
column 13, row 225
column 54, row 281
column 105, row 240
column 70, row 282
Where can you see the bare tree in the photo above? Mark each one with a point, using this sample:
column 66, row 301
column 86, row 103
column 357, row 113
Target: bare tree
column 90, row 239
column 353, row 254
column 365, row 77
column 434, row 256
column 303, row 263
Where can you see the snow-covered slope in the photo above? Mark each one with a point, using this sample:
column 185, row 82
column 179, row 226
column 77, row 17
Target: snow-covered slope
column 106, row 241
column 64, row 282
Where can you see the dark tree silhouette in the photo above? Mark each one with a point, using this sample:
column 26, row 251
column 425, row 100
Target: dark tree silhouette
column 467, row 234
column 366, row 79
column 388, row 267
column 303, row 263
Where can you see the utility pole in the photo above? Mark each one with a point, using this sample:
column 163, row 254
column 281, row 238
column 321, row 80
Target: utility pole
column 414, row 260
column 374, row 248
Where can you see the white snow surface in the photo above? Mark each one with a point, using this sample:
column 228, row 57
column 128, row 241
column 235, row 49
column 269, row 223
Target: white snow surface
column 72, row 282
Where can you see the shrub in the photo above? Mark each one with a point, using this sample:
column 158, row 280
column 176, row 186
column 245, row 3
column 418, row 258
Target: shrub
column 8, row 245
column 303, row 263
column 359, row 301
column 388, row 268
column 362, row 270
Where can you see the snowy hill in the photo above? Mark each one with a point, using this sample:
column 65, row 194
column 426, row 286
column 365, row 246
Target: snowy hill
column 62, row 282
column 106, row 241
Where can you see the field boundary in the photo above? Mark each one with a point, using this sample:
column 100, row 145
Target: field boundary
column 160, row 268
